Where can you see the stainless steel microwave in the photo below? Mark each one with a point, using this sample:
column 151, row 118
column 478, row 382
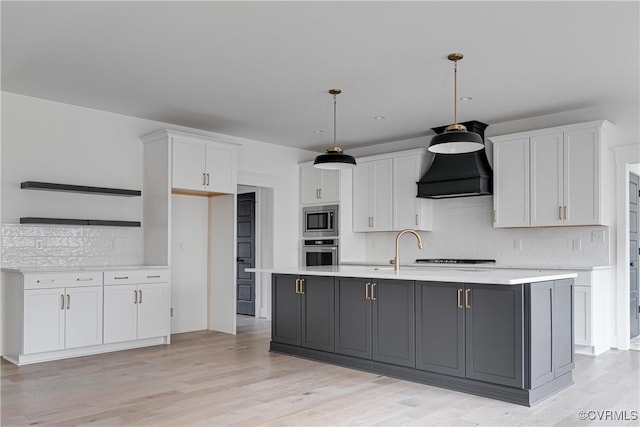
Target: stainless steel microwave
column 320, row 221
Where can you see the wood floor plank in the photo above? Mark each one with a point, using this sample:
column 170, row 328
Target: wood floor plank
column 212, row 379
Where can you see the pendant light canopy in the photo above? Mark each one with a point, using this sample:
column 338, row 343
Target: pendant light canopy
column 455, row 139
column 334, row 158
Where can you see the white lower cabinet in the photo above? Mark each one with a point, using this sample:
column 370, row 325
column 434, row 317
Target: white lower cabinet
column 48, row 316
column 591, row 314
column 134, row 311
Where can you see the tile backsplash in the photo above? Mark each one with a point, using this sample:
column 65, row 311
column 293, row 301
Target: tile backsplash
column 58, row 245
column 463, row 228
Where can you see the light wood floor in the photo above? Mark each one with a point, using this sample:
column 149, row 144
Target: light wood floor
column 209, row 378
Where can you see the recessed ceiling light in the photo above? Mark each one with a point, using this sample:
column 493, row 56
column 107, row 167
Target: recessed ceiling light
column 318, row 131
column 466, row 98
column 379, row 117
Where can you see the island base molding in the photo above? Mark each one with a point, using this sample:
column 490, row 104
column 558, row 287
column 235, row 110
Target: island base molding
column 479, row 388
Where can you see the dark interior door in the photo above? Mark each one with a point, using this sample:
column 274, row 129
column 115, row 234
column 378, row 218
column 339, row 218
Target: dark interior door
column 246, row 285
column 634, row 185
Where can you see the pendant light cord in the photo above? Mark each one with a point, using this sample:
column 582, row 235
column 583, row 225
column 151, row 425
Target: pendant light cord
column 455, row 92
column 334, row 120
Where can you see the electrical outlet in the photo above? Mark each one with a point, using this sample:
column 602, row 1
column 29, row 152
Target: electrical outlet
column 577, row 244
column 38, row 244
column 597, row 236
column 112, row 244
column 517, row 245
column 181, row 246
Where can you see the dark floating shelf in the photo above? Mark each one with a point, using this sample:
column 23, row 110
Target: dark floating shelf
column 70, row 221
column 49, row 186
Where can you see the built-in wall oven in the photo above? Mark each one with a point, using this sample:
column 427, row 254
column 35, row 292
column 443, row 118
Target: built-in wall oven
column 319, row 252
column 320, row 222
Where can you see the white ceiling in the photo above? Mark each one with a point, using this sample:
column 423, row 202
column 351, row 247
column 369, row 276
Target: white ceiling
column 261, row 70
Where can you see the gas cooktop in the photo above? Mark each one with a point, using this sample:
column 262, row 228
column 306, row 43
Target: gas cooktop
column 454, row 261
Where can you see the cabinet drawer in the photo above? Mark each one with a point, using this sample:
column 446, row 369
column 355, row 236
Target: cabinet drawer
column 123, row 277
column 68, row 279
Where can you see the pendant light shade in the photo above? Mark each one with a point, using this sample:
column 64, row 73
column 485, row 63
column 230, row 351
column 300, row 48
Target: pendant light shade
column 334, row 158
column 455, row 139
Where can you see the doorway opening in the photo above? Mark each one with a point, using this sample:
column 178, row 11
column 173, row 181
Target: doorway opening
column 254, row 237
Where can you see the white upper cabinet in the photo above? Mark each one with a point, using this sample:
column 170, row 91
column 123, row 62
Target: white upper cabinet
column 551, row 177
column 511, row 183
column 372, row 195
column 318, row 185
column 203, row 165
column 198, row 163
column 410, row 211
column 384, row 193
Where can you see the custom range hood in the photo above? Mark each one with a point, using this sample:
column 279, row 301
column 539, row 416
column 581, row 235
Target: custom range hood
column 458, row 175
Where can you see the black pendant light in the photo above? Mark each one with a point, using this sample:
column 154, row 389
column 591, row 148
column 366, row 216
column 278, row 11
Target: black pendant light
column 455, row 139
column 334, row 158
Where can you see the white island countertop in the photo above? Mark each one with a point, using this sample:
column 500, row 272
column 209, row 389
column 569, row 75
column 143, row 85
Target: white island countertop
column 464, row 274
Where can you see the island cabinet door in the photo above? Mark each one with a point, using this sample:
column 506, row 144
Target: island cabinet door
column 285, row 325
column 317, row 312
column 353, row 317
column 440, row 328
column 393, row 317
column 494, row 333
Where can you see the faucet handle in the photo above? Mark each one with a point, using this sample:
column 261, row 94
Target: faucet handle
column 392, row 261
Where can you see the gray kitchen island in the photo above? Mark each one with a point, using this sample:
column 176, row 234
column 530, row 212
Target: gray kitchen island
column 502, row 334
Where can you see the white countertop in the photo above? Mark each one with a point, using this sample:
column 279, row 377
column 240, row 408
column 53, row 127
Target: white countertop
column 495, row 266
column 459, row 274
column 69, row 269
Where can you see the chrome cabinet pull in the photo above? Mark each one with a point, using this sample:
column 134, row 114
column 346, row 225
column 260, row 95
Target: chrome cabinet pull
column 366, row 290
column 417, row 219
column 135, row 297
column 466, row 298
column 88, row 279
column 61, row 302
column 68, row 301
column 373, row 293
column 559, row 212
column 565, row 212
column 45, row 281
column 204, row 178
column 302, row 286
column 208, row 179
column 121, row 277
column 140, row 297
column 370, row 221
column 297, row 286
column 460, row 298
column 153, row 277
column 320, row 192
column 495, row 216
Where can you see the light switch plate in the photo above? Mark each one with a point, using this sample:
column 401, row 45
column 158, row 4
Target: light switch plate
column 577, row 244
column 597, row 236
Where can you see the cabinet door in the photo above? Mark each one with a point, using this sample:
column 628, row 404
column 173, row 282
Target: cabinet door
column 353, row 318
column 330, row 186
column 83, row 323
column 381, row 187
column 547, row 201
column 582, row 315
column 310, row 185
column 372, row 196
column 409, row 211
column 581, row 177
column 362, row 215
column 493, row 334
column 43, row 320
column 286, row 325
column 563, row 338
column 188, row 166
column 440, row 328
column 153, row 310
column 511, row 183
column 219, row 169
column 317, row 313
column 393, row 322
column 120, row 313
